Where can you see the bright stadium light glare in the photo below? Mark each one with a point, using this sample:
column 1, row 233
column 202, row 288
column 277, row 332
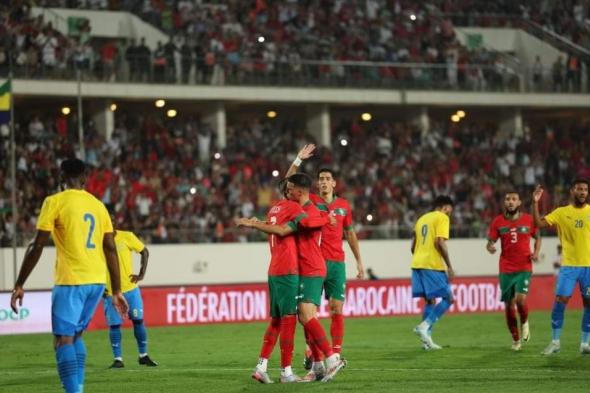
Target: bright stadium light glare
column 160, row 103
column 369, row 217
column 193, row 190
column 366, row 116
column 171, row 113
column 461, row 113
column 275, row 173
column 455, row 118
column 217, row 156
column 261, row 39
column 271, row 114
column 344, row 142
column 413, row 17
column 113, row 107
column 66, row 110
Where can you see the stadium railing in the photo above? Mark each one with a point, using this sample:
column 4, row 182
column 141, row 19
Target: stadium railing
column 497, row 77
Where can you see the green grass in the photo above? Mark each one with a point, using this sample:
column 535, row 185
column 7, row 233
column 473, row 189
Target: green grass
column 383, row 356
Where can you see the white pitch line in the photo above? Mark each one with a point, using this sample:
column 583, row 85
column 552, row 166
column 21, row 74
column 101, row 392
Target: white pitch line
column 206, row 370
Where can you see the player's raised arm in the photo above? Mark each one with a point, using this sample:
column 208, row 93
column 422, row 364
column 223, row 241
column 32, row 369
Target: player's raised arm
column 441, row 246
column 32, row 255
column 540, row 222
column 305, row 153
column 110, row 253
column 413, row 246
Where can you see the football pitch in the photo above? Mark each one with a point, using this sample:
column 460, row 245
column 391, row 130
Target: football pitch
column 383, row 356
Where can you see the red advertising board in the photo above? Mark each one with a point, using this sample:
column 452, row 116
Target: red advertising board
column 196, row 305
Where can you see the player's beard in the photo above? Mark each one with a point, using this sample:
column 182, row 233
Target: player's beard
column 579, row 202
column 512, row 212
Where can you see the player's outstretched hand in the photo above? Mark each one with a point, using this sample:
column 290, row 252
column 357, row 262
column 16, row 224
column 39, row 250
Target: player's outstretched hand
column 491, row 248
column 17, row 297
column 537, row 194
column 120, row 303
column 306, row 152
column 243, row 222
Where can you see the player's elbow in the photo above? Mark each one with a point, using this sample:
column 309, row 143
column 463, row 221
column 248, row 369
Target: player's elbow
column 145, row 253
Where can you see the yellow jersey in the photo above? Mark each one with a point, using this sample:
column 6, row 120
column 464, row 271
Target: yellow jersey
column 126, row 242
column 428, row 228
column 573, row 229
column 77, row 222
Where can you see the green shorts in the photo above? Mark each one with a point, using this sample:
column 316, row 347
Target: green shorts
column 283, row 294
column 335, row 284
column 513, row 283
column 310, row 290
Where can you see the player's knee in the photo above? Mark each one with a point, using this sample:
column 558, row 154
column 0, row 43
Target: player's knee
column 586, row 302
column 137, row 321
column 63, row 340
column 335, row 306
column 562, row 299
column 430, row 302
column 449, row 299
column 115, row 327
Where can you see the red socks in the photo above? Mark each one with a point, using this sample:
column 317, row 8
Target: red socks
column 288, row 324
column 511, row 321
column 317, row 336
column 523, row 311
column 337, row 332
column 270, row 338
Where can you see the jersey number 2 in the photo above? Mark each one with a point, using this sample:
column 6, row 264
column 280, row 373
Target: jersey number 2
column 90, row 217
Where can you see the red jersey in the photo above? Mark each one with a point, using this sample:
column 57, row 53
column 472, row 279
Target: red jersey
column 311, row 261
column 516, row 242
column 332, row 235
column 283, row 250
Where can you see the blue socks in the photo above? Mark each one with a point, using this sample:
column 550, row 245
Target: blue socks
column 438, row 311
column 80, row 348
column 115, row 336
column 427, row 310
column 557, row 319
column 586, row 325
column 140, row 336
column 67, row 367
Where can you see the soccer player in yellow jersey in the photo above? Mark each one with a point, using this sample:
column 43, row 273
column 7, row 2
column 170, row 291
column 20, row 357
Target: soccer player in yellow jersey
column 573, row 228
column 431, row 267
column 83, row 235
column 126, row 242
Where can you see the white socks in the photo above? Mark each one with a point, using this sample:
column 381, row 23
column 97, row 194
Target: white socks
column 262, row 364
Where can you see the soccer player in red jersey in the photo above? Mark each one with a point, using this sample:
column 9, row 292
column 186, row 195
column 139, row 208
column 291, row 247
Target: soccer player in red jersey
column 283, row 282
column 332, row 247
column 515, row 229
column 312, row 272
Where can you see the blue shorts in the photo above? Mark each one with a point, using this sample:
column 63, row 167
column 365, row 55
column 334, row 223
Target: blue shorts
column 135, row 301
column 430, row 284
column 569, row 276
column 72, row 307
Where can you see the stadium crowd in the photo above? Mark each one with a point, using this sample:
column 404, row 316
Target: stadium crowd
column 285, row 42
column 168, row 179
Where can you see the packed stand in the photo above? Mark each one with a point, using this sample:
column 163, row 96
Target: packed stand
column 172, row 184
column 333, row 43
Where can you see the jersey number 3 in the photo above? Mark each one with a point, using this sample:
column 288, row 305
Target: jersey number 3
column 90, row 217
